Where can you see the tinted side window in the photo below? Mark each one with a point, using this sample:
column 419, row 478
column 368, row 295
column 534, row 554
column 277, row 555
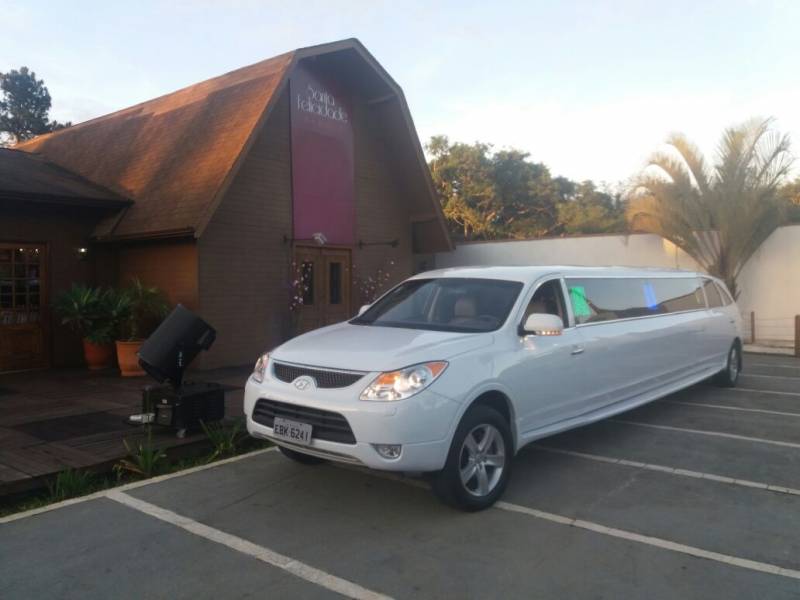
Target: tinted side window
column 712, row 293
column 677, row 294
column 726, row 297
column 548, row 299
column 606, row 299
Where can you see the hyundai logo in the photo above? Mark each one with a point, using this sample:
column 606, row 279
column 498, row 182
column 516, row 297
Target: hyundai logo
column 304, row 383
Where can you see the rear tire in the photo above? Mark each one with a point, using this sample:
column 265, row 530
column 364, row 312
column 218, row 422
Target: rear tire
column 730, row 374
column 479, row 461
column 305, row 459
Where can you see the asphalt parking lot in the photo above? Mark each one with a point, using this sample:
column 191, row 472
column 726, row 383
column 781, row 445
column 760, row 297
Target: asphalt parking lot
column 694, row 496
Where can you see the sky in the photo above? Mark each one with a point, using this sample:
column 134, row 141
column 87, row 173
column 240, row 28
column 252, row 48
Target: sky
column 590, row 88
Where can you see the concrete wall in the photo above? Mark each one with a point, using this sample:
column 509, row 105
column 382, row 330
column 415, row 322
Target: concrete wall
column 770, row 286
column 635, row 250
column 769, row 283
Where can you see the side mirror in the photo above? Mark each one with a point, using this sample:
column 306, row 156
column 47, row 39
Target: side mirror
column 363, row 309
column 543, row 324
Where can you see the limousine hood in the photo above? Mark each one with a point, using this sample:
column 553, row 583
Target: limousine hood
column 374, row 348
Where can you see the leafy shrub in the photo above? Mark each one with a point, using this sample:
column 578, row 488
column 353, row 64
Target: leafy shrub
column 70, row 483
column 224, row 438
column 146, row 461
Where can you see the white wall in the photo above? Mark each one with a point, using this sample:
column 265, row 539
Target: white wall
column 769, row 283
column 635, row 250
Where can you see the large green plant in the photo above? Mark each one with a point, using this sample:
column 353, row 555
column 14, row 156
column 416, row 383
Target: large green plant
column 137, row 307
column 84, row 310
column 719, row 214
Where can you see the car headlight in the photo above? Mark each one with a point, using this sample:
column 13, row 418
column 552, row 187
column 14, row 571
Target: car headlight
column 260, row 370
column 398, row 385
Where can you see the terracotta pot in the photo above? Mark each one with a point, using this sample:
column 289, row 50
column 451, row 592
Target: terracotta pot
column 127, row 359
column 98, row 356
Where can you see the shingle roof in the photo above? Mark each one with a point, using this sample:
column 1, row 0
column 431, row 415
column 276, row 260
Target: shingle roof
column 29, row 177
column 175, row 155
column 171, row 154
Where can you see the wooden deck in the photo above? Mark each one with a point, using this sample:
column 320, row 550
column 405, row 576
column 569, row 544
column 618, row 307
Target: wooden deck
column 59, row 419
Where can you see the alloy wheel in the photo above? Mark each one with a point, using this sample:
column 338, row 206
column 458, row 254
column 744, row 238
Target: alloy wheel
column 733, row 364
column 482, row 460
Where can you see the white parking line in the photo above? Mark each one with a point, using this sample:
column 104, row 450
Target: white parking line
column 772, row 377
column 132, row 485
column 631, row 536
column 674, row 471
column 732, row 436
column 724, row 407
column 752, row 364
column 275, row 559
column 757, row 391
column 648, row 540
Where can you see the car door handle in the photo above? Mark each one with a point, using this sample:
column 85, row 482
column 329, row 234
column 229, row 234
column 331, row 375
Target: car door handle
column 577, row 350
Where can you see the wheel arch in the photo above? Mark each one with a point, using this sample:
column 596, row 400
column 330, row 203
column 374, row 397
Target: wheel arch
column 499, row 401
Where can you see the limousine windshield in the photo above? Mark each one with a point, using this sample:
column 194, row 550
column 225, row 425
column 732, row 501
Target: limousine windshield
column 445, row 304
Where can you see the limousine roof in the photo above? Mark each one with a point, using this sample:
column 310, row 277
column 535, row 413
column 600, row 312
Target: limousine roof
column 531, row 273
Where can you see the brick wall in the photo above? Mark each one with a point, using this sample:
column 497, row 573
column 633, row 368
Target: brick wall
column 381, row 213
column 170, row 265
column 243, row 262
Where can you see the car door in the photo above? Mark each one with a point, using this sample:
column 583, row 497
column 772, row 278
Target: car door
column 544, row 374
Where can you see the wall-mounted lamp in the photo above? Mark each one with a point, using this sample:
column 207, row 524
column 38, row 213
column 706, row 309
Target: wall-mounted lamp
column 392, row 243
column 82, row 253
column 318, row 238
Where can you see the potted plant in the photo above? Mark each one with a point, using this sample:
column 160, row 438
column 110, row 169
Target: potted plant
column 137, row 309
column 82, row 309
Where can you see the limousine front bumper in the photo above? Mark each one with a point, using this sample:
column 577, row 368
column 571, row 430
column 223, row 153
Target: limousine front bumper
column 422, row 424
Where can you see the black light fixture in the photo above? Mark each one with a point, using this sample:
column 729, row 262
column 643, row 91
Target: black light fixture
column 393, row 243
column 82, row 253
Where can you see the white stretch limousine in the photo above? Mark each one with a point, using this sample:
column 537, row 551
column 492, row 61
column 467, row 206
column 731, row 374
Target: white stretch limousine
column 452, row 371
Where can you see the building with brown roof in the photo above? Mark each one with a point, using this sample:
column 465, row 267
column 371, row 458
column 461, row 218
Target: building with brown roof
column 305, row 167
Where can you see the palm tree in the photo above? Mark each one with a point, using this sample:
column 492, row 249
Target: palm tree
column 718, row 214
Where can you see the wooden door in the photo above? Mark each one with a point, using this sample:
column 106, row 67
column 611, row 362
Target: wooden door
column 325, row 274
column 22, row 307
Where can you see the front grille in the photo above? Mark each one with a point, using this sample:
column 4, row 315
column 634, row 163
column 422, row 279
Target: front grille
column 323, row 377
column 326, row 425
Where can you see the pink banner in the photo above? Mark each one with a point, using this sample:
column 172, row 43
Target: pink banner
column 322, row 159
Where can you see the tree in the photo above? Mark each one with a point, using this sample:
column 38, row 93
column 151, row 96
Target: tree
column 462, row 175
column 527, row 193
column 24, row 107
column 718, row 214
column 589, row 210
column 790, row 193
column 488, row 195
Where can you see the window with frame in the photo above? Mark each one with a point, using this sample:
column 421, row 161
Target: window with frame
column 600, row 299
column 712, row 294
column 548, row 299
column 725, row 294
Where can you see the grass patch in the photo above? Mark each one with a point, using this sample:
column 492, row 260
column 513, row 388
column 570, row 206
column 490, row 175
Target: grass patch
column 144, row 461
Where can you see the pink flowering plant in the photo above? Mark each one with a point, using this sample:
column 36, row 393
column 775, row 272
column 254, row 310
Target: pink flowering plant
column 369, row 287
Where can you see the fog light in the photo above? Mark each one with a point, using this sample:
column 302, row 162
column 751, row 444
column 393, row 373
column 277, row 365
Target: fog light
column 389, row 451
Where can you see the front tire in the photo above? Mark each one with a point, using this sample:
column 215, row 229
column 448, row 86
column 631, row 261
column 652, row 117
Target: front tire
column 730, row 374
column 479, row 461
column 305, row 459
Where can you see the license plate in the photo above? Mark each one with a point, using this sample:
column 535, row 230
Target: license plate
column 291, row 431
